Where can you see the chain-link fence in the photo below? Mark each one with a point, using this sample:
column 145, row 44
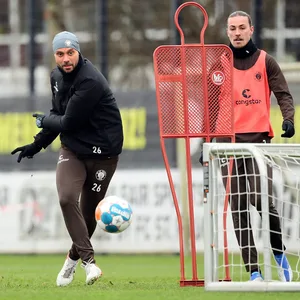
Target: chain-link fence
column 120, row 37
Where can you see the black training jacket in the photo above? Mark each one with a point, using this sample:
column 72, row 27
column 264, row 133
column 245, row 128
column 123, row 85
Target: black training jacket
column 84, row 112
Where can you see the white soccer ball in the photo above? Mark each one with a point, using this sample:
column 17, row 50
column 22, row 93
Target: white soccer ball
column 113, row 214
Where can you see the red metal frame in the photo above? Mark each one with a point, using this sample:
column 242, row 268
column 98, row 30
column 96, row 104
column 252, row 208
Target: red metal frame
column 187, row 135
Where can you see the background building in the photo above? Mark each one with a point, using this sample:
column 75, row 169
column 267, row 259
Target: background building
column 120, row 38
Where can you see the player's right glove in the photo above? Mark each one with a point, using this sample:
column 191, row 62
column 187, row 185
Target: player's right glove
column 201, row 158
column 289, row 129
column 27, row 151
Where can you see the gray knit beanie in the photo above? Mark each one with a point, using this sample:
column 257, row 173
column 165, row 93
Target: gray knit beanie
column 65, row 39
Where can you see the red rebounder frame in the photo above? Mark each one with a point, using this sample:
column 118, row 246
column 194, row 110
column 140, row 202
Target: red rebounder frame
column 194, row 100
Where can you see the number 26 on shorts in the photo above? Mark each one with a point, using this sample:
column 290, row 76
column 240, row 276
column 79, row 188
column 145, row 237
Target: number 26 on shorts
column 96, row 187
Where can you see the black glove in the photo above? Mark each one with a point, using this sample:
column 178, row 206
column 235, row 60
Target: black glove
column 201, row 158
column 39, row 120
column 27, row 151
column 289, row 129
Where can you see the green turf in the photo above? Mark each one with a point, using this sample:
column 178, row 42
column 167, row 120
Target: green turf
column 124, row 277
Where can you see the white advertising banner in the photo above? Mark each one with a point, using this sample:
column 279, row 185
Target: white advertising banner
column 31, row 220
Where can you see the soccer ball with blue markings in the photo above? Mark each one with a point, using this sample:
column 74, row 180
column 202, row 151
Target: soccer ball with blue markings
column 113, row 214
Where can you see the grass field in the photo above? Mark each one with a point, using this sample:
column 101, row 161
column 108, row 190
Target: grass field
column 139, row 277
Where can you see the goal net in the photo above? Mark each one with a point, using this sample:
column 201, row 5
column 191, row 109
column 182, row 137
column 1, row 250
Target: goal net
column 252, row 199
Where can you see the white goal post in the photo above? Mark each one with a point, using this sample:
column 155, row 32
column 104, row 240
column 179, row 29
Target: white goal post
column 273, row 177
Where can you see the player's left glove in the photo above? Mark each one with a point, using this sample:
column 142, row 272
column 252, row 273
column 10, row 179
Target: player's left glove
column 289, row 129
column 39, row 120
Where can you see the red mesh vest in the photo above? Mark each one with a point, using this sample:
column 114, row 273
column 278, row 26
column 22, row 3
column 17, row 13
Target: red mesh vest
column 251, row 97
